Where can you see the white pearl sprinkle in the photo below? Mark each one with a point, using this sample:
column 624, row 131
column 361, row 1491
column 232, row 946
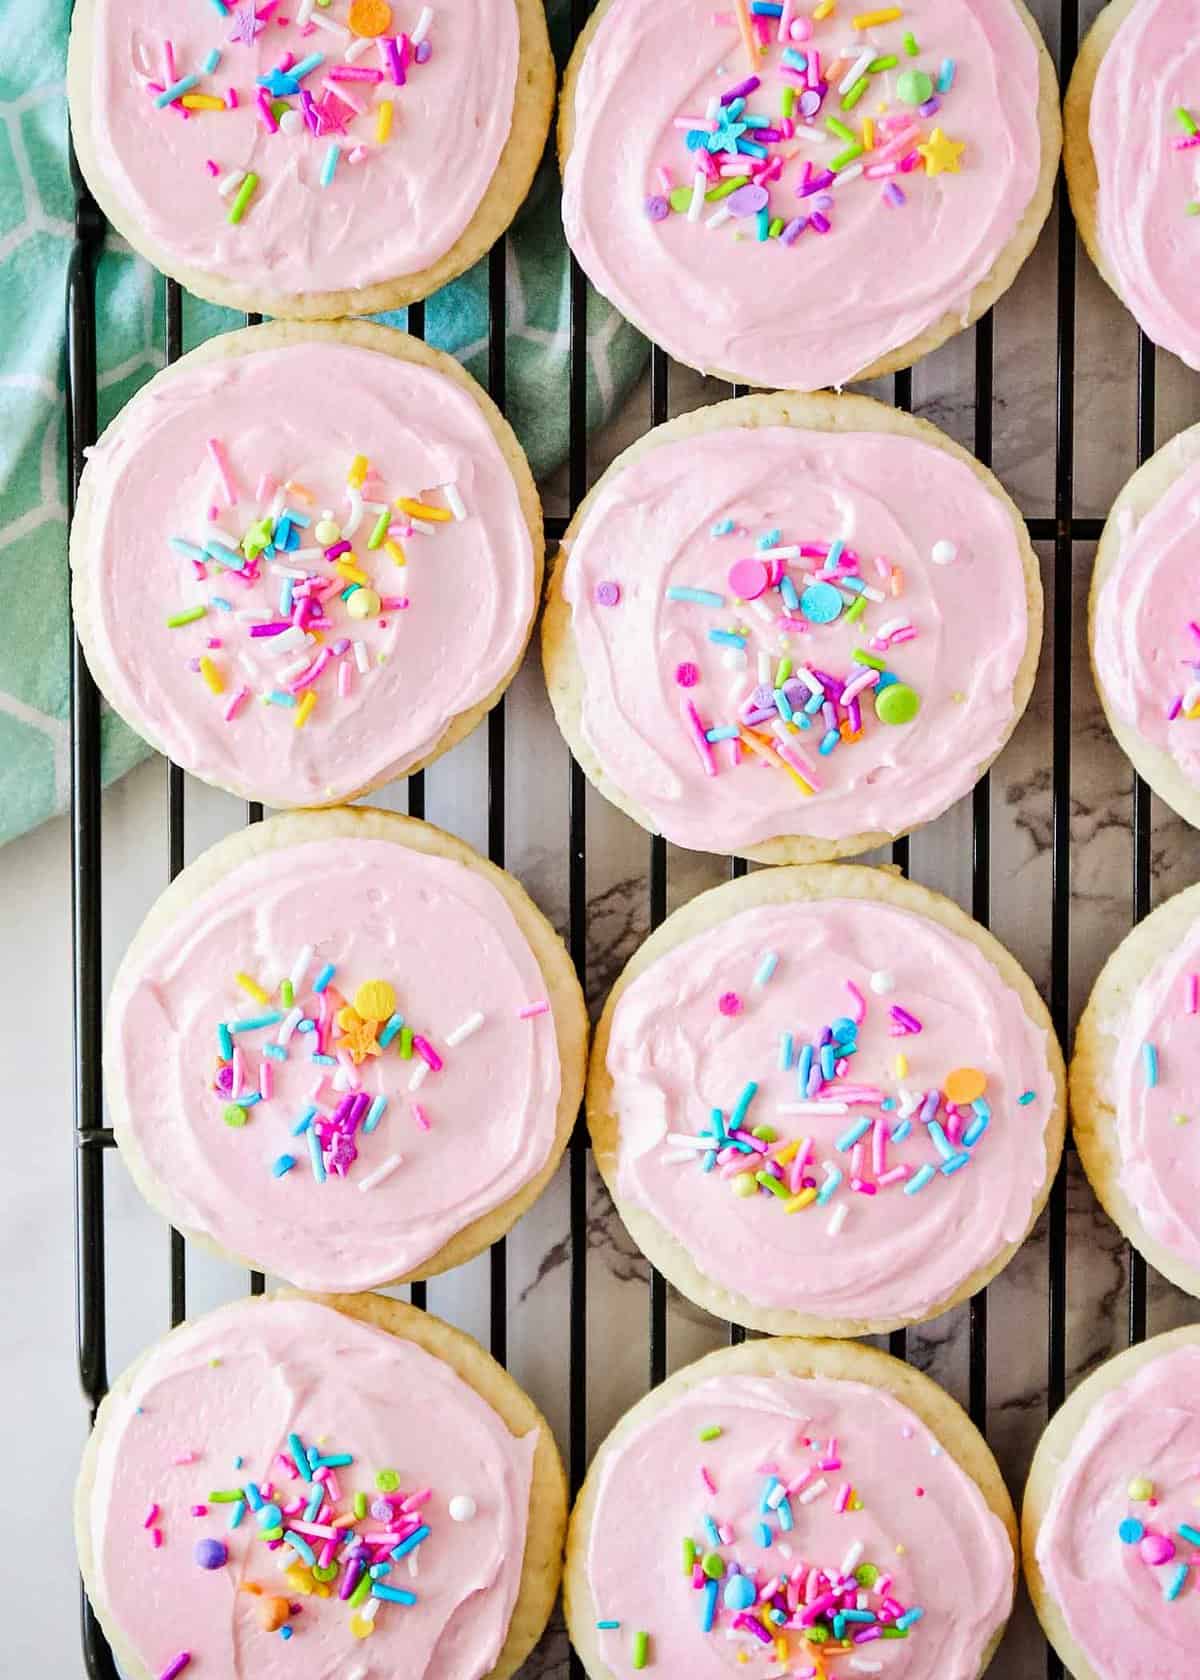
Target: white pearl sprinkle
column 944, row 553
column 462, row 1508
column 291, row 122
column 881, row 982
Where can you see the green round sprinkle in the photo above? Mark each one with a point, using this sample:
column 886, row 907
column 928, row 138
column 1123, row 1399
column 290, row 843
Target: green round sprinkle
column 679, row 198
column 235, row 1115
column 897, row 703
column 816, row 1635
column 387, row 1481
column 866, row 1574
column 743, row 1184
column 713, row 1565
column 914, row 87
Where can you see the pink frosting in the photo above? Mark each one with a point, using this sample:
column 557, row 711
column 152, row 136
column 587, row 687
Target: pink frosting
column 461, row 605
column 1112, row 1597
column 391, row 211
column 213, row 1407
column 1146, row 182
column 443, row 937
column 1146, row 651
column 702, row 1022
column 1159, row 1170
column 822, row 310
column 892, row 502
column 915, row 1518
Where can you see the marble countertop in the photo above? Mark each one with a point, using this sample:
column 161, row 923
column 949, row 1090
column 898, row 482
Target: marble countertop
column 42, row 1419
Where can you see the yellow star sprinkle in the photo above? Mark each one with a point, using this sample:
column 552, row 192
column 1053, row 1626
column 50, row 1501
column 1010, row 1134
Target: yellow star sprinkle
column 358, row 1036
column 941, row 154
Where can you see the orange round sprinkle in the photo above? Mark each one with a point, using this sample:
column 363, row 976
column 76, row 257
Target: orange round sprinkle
column 369, row 17
column 965, row 1085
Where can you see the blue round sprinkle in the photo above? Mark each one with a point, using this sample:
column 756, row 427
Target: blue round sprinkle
column 843, row 1028
column 739, row 1593
column 821, row 603
column 269, row 1516
column 1131, row 1531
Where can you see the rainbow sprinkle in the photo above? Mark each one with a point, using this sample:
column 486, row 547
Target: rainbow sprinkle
column 287, row 610
column 795, row 127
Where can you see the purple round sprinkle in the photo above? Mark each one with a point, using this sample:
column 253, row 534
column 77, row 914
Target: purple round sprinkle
column 211, row 1554
column 381, row 1510
column 423, row 53
column 608, row 593
column 810, row 102
column 225, row 1078
column 657, row 208
column 748, row 200
column 764, row 695
column 686, row 675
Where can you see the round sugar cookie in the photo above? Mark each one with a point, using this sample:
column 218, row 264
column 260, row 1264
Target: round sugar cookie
column 267, row 1110
column 1144, row 649
column 306, row 560
column 780, row 1099
column 808, row 1478
column 801, row 201
column 764, row 631
column 313, row 161
column 1130, row 122
column 203, row 1550
column 1110, row 1529
column 1133, row 1088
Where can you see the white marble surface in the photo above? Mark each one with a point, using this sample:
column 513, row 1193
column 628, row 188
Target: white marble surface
column 41, row 1417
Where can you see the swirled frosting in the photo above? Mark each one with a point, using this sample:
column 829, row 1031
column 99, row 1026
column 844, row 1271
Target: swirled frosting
column 918, row 1146
column 443, row 629
column 1113, row 1582
column 918, row 533
column 391, row 207
column 1146, row 165
column 1145, row 646
column 1153, row 1088
column 877, row 263
column 217, row 1408
column 869, row 1490
column 449, row 1142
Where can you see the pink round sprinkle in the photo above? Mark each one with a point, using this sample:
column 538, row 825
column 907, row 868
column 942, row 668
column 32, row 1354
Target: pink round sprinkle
column 686, row 675
column 608, row 593
column 729, row 1003
column 1157, row 1549
column 801, row 29
column 748, row 578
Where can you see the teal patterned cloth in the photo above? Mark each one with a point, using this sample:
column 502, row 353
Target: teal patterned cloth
column 36, row 211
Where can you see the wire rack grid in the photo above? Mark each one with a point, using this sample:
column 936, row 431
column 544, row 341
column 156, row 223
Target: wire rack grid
column 1060, row 532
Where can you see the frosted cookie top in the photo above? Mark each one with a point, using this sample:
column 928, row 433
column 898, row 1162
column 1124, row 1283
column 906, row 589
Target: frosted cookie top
column 1154, row 1080
column 787, row 194
column 1145, row 641
column 836, row 1107
column 824, row 1532
column 1119, row 1543
column 284, row 1491
column 1143, row 133
column 337, row 1058
column 303, row 564
column 780, row 632
column 304, row 148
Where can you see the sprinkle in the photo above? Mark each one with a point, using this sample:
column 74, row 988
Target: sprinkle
column 1150, row 1065
column 464, row 1030
column 315, row 1155
column 245, row 193
column 282, row 1164
column 641, row 1641
column 540, row 1007
column 385, row 1170
column 177, row 620
column 919, row 1179
column 766, row 968
column 176, row 1666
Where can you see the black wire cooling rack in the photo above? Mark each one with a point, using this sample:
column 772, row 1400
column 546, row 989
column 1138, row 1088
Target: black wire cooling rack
column 1061, row 531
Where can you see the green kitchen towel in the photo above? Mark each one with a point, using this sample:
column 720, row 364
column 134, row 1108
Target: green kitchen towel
column 36, row 210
